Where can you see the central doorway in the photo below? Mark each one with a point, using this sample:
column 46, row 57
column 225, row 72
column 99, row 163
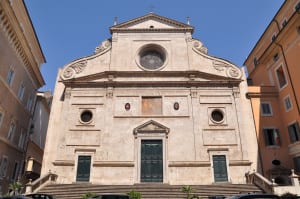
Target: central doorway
column 151, row 161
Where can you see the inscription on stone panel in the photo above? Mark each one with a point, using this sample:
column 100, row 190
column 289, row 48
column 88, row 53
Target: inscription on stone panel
column 219, row 137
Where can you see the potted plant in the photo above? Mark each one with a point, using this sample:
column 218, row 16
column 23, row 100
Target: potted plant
column 134, row 194
column 188, row 190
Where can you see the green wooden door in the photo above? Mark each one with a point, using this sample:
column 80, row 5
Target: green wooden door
column 83, row 168
column 151, row 161
column 220, row 168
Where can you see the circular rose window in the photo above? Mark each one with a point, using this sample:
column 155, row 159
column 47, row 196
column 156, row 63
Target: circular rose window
column 152, row 57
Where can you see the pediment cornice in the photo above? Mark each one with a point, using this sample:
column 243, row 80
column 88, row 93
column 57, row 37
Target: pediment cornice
column 145, row 79
column 151, row 127
column 176, row 26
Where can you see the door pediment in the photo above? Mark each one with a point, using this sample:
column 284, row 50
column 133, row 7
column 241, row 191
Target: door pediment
column 151, row 127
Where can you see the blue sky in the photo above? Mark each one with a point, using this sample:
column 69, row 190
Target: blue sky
column 70, row 29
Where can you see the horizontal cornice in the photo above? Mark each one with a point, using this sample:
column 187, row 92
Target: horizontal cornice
column 144, row 79
column 146, row 30
column 10, row 25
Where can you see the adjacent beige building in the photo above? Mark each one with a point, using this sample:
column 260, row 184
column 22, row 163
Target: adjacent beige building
column 151, row 105
column 20, row 78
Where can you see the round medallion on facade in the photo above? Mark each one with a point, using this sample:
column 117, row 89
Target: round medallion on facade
column 176, row 106
column 127, row 106
column 86, row 116
column 151, row 57
column 217, row 116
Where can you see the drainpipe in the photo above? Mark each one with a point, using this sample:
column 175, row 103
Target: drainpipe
column 287, row 67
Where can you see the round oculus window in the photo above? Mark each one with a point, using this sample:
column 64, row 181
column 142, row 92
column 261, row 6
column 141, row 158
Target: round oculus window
column 217, row 116
column 86, row 116
column 152, row 57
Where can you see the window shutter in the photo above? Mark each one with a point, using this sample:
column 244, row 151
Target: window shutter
column 297, row 131
column 277, row 137
column 266, row 136
column 292, row 134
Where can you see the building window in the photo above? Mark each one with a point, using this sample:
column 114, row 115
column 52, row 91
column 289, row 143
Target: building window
column 283, row 24
column 271, row 136
column 266, row 109
column 255, row 61
column 217, row 116
column 1, row 117
column 275, row 57
column 287, row 103
column 152, row 57
column 86, row 116
column 21, row 91
column 22, row 139
column 297, row 7
column 10, row 77
column 29, row 102
column 151, row 105
column 297, row 164
column 273, row 37
column 11, row 131
column 3, row 166
column 15, row 172
column 294, row 132
column 281, row 77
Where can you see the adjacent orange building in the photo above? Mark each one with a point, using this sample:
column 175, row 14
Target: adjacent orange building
column 274, row 90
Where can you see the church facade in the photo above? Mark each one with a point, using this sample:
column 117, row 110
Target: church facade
column 151, row 106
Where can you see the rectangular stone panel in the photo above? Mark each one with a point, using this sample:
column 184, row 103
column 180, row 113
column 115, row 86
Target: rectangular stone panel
column 83, row 138
column 127, row 106
column 84, row 100
column 219, row 137
column 215, row 99
column 176, row 106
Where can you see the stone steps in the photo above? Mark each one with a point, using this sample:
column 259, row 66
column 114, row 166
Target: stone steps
column 148, row 191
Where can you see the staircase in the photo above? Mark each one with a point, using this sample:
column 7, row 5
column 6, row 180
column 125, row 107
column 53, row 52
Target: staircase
column 148, row 191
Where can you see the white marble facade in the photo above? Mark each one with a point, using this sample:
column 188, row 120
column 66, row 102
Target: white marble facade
column 151, row 85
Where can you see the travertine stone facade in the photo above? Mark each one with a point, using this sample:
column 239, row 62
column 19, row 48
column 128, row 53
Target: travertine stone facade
column 150, row 106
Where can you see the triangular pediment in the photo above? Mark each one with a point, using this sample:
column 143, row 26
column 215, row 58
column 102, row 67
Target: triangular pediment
column 152, row 23
column 151, row 127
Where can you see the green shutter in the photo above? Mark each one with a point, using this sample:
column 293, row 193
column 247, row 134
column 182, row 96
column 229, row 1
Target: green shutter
column 292, row 133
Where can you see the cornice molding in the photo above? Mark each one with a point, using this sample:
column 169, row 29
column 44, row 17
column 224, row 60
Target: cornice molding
column 110, row 79
column 10, row 25
column 178, row 26
column 146, row 30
